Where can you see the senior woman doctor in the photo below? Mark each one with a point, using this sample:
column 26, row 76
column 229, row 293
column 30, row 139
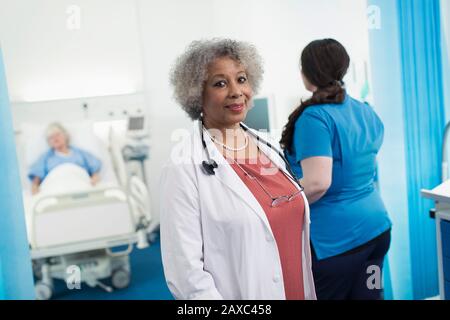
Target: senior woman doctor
column 234, row 223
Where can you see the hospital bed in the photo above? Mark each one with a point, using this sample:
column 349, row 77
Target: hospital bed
column 84, row 236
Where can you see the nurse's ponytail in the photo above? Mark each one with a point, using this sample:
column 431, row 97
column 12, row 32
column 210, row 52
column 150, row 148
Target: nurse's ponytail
column 324, row 64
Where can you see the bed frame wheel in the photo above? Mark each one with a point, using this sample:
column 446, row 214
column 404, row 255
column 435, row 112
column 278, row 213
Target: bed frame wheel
column 43, row 291
column 120, row 278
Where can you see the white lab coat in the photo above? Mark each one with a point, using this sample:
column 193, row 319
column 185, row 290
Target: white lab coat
column 216, row 241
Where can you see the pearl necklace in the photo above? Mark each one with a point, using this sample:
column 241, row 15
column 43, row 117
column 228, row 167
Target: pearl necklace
column 224, row 145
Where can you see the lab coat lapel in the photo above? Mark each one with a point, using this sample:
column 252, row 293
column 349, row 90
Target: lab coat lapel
column 226, row 175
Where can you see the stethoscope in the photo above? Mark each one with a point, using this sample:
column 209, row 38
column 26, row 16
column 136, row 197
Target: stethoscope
column 210, row 165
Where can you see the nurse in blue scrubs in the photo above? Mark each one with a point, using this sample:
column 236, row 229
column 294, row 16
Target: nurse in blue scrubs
column 331, row 140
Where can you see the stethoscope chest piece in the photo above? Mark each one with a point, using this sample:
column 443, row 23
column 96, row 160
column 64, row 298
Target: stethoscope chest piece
column 209, row 166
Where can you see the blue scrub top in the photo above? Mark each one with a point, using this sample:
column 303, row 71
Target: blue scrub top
column 50, row 160
column 351, row 212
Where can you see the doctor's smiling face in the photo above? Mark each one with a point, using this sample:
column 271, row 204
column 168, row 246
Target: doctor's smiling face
column 226, row 95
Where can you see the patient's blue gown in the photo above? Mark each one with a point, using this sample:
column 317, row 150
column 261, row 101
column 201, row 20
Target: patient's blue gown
column 51, row 159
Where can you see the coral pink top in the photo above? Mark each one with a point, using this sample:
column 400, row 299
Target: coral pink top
column 286, row 220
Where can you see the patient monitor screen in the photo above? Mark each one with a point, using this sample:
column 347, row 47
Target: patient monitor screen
column 258, row 116
column 135, row 123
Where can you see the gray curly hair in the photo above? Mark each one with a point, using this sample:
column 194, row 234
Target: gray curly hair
column 191, row 69
column 55, row 127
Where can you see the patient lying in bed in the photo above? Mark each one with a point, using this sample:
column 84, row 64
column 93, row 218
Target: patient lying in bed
column 63, row 162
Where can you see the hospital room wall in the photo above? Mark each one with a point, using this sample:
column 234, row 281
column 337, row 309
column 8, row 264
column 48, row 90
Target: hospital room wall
column 55, row 61
column 63, row 49
column 279, row 29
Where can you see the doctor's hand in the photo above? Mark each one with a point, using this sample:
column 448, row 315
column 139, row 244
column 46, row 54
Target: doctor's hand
column 95, row 178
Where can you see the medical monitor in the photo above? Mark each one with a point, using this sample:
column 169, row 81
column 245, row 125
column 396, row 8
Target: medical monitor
column 136, row 123
column 258, row 117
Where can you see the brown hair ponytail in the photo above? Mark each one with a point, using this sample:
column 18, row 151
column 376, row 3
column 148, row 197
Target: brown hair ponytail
column 324, row 64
